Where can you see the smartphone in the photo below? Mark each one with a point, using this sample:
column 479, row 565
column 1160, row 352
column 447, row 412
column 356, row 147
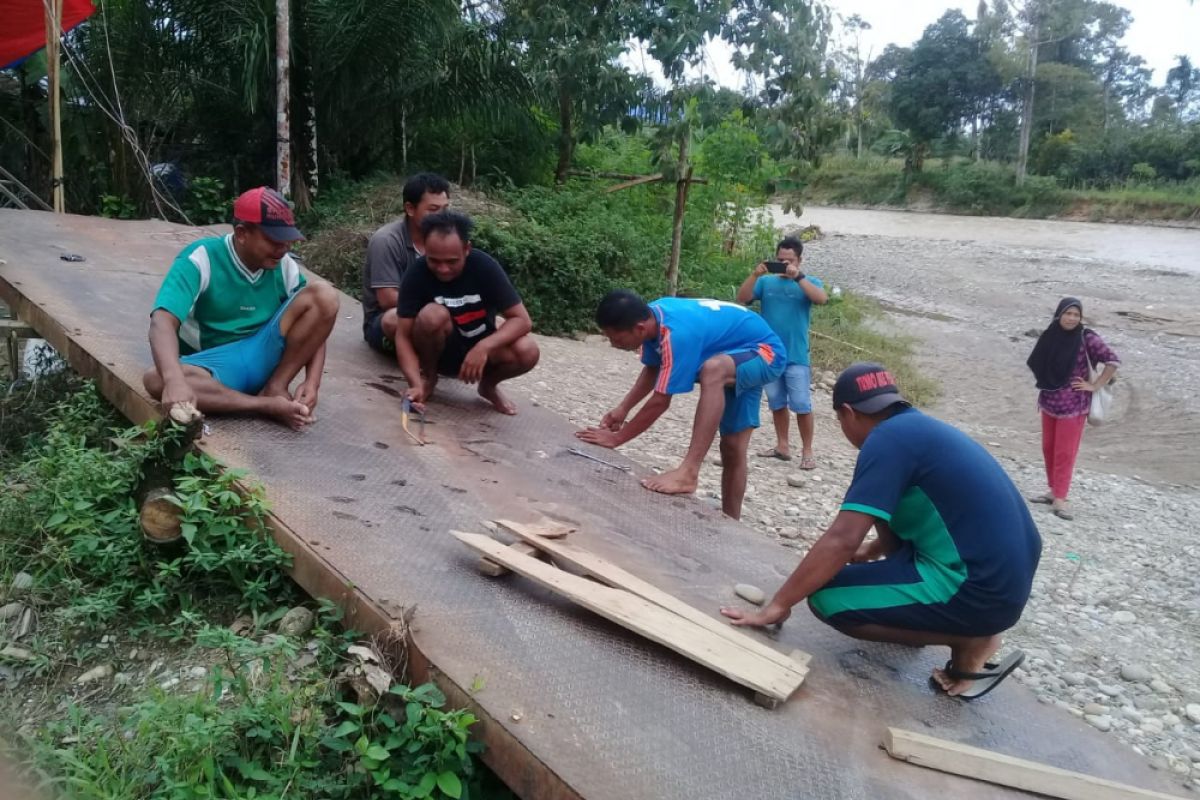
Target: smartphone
column 776, row 267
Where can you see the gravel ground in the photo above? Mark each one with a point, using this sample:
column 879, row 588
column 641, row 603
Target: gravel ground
column 1111, row 629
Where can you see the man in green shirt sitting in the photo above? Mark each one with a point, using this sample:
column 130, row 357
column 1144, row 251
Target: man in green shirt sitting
column 235, row 320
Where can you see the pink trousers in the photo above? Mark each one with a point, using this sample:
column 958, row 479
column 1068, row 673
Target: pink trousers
column 1060, row 446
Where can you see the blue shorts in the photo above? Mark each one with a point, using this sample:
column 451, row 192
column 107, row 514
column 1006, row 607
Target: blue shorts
column 247, row 364
column 892, row 593
column 373, row 334
column 793, row 389
column 745, row 396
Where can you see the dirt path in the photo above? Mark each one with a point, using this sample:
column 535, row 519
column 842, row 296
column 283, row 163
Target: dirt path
column 970, row 288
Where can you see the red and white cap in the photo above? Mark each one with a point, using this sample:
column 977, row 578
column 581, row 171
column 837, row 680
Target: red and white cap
column 266, row 208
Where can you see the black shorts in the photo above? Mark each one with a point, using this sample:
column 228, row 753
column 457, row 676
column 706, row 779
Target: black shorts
column 454, row 353
column 373, row 334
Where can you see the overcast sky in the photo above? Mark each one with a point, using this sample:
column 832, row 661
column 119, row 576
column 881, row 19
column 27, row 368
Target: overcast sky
column 1161, row 30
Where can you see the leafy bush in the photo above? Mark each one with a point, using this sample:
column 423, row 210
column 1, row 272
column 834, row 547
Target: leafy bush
column 207, row 201
column 264, row 728
column 72, row 522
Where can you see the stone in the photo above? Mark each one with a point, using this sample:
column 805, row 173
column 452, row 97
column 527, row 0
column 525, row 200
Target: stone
column 1099, row 722
column 1074, row 678
column 21, row 582
column 1160, row 686
column 296, row 622
column 1124, row 617
column 796, row 481
column 1152, row 726
column 1132, row 714
column 1112, row 691
column 10, row 610
column 1135, row 673
column 1095, row 710
column 751, row 594
column 1192, row 711
column 95, row 674
column 1149, row 702
column 1170, row 720
column 790, row 533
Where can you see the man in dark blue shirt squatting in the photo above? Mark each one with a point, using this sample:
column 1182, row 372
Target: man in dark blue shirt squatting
column 955, row 550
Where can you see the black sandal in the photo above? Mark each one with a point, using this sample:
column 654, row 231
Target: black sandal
column 985, row 681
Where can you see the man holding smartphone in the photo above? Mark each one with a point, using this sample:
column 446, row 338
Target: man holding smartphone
column 787, row 296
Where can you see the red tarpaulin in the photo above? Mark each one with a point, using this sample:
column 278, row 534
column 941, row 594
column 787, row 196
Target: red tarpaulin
column 23, row 26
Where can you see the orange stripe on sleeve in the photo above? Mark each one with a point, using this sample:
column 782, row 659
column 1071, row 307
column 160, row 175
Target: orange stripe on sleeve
column 664, row 351
column 768, row 354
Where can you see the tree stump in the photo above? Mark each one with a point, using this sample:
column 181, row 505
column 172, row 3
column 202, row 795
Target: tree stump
column 161, row 518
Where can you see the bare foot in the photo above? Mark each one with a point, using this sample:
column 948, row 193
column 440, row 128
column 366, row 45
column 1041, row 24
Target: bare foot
column 677, row 481
column 288, row 411
column 968, row 658
column 493, row 395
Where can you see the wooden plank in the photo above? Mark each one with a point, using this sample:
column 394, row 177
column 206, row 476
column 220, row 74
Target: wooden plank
column 611, row 574
column 1017, row 773
column 647, row 619
column 494, row 570
column 638, row 181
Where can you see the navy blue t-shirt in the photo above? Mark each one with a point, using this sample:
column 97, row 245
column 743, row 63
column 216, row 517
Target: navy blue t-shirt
column 942, row 492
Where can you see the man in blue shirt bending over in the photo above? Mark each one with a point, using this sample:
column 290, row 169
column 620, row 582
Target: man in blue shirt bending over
column 955, row 550
column 730, row 351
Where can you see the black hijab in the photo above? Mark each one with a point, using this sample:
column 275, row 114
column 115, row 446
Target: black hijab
column 1053, row 357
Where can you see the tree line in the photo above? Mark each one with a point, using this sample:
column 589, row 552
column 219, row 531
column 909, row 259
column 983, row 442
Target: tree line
column 175, row 99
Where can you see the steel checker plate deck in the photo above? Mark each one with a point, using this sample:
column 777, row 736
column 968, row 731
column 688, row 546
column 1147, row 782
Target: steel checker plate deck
column 602, row 713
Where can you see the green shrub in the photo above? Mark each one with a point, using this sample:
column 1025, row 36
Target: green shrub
column 72, row 522
column 263, row 727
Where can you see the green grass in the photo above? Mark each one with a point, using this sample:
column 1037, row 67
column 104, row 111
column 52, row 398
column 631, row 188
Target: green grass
column 989, row 188
column 841, row 335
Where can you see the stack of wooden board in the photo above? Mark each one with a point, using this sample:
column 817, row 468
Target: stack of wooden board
column 645, row 609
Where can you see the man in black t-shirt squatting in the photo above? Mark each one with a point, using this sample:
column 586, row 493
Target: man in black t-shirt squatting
column 447, row 311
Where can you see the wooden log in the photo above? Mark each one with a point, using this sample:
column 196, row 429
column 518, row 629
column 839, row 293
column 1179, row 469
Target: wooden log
column 649, row 620
column 160, row 517
column 1017, row 773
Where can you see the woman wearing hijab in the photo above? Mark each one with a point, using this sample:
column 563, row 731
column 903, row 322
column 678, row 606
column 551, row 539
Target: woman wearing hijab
column 1059, row 362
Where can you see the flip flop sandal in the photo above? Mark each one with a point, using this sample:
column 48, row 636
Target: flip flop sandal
column 1063, row 513
column 808, row 463
column 984, row 682
column 774, row 453
column 1041, row 499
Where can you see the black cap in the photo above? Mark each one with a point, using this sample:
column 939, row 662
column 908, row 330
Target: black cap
column 866, row 387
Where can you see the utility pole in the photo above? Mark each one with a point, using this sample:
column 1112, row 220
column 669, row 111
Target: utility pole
column 53, row 40
column 283, row 115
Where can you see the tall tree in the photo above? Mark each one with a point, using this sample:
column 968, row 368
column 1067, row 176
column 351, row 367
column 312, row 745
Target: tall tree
column 783, row 43
column 572, row 50
column 1183, row 87
column 940, row 83
column 854, row 66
